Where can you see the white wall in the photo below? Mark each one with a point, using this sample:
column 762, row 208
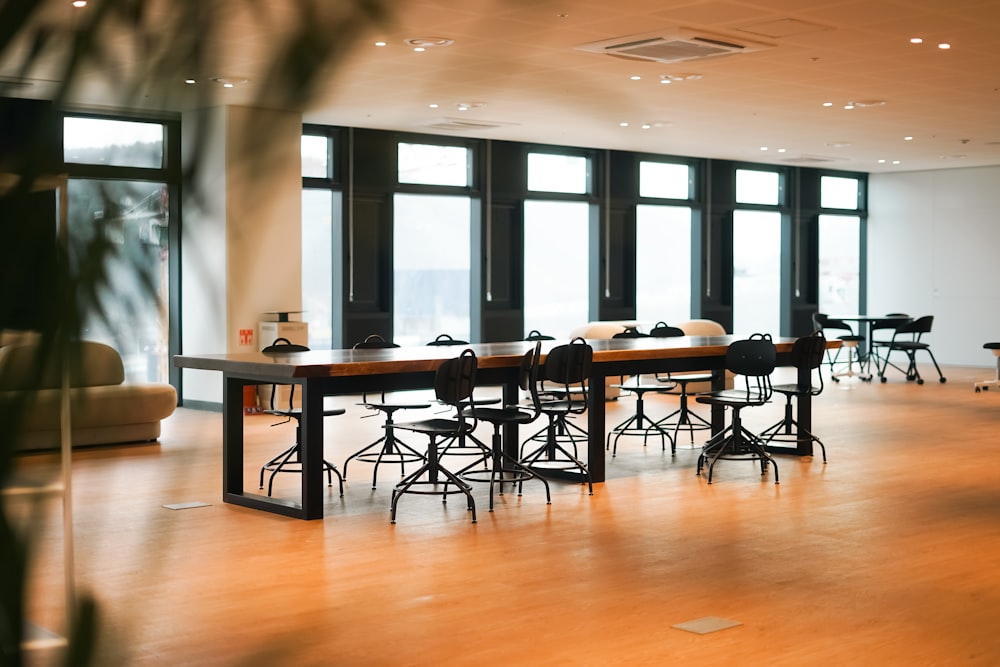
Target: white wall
column 242, row 239
column 933, row 238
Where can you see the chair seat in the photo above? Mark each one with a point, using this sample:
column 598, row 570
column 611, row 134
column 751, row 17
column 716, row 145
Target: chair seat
column 909, row 345
column 732, row 397
column 440, row 426
column 296, row 413
column 507, row 415
column 795, row 390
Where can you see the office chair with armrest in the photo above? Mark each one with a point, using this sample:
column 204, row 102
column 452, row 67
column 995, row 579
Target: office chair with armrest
column 454, row 384
column 387, row 448
column 907, row 339
column 807, row 353
column 639, row 423
column 754, row 360
column 506, row 469
column 290, row 460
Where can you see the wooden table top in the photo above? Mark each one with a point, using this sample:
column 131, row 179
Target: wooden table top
column 350, row 362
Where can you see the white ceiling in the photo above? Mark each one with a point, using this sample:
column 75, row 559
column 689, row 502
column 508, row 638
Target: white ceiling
column 518, row 60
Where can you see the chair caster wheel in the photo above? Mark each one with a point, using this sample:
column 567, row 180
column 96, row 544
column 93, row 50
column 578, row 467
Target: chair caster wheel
column 882, row 378
column 977, row 390
column 943, row 380
column 920, row 381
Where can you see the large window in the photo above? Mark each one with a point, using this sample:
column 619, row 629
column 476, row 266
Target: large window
column 130, row 219
column 431, row 246
column 757, row 254
column 318, row 208
column 556, row 246
column 431, row 261
column 663, row 245
column 839, row 247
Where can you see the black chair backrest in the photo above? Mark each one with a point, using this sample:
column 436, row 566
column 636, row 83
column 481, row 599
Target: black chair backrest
column 568, row 367
column 454, row 383
column 754, row 359
column 445, row 339
column 374, row 342
column 822, row 321
column 916, row 328
column 630, row 332
column 662, row 330
column 283, row 346
column 531, row 364
column 535, row 334
column 807, row 352
column 570, row 363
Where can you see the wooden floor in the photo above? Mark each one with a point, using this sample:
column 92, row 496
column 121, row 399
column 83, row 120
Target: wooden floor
column 887, row 555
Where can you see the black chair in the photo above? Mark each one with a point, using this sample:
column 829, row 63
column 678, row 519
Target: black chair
column 388, row 448
column 807, row 353
column 454, row 383
column 752, row 359
column 639, row 423
column 565, row 376
column 444, row 340
column 683, row 416
column 880, row 334
column 290, row 460
column 907, row 339
column 506, row 469
column 851, row 342
column 464, row 444
column 536, row 335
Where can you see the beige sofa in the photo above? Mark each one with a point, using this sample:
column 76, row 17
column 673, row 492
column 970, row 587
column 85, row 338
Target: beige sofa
column 607, row 329
column 103, row 408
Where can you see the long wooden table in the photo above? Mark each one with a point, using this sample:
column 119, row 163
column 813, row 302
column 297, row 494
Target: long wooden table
column 320, row 373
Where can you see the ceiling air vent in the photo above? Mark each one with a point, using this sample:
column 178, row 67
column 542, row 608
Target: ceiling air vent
column 464, row 125
column 674, row 45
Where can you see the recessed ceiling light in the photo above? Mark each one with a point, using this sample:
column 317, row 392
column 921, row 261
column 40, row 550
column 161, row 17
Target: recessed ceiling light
column 190, row 81
column 646, row 126
column 944, row 45
column 79, row 3
column 465, row 106
column 781, row 150
column 380, row 43
column 763, row 148
column 624, row 123
column 895, row 161
column 849, row 106
column 907, row 138
column 916, row 40
column 828, row 104
column 433, row 106
column 881, row 161
column 635, row 77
